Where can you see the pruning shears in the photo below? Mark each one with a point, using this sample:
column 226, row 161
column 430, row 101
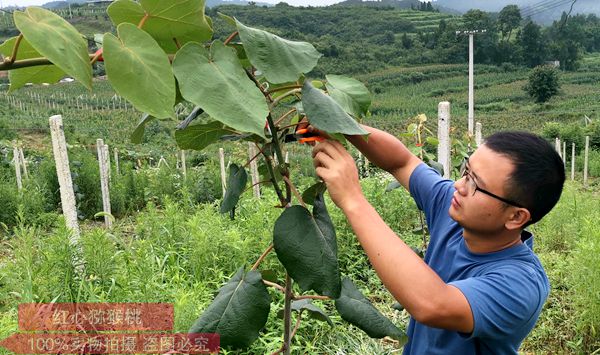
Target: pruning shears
column 303, row 136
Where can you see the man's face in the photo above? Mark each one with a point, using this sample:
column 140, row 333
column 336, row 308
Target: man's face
column 477, row 211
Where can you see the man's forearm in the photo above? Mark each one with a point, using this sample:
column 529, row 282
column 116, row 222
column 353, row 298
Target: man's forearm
column 382, row 149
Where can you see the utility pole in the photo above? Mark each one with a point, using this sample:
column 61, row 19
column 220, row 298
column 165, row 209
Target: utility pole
column 471, row 114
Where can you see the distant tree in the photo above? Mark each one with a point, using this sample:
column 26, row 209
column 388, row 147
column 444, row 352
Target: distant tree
column 531, row 43
column 543, row 83
column 509, row 19
column 407, row 43
column 485, row 47
column 567, row 52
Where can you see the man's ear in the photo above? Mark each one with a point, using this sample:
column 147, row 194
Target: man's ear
column 518, row 218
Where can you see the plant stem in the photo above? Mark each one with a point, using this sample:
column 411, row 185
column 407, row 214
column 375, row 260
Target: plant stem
column 231, row 37
column 273, row 284
column 262, row 257
column 143, row 21
column 297, row 325
column 284, row 116
column 291, row 125
column 285, row 88
column 260, row 151
column 312, row 297
column 258, row 183
column 13, row 56
column 276, row 145
column 294, row 190
column 282, row 199
column 289, row 93
column 26, row 63
column 287, row 314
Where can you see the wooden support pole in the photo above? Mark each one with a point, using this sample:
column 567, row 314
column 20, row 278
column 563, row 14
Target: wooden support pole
column 23, row 163
column 223, row 173
column 254, row 170
column 67, row 196
column 444, row 137
column 17, row 162
column 478, row 136
column 116, row 156
column 573, row 162
column 585, row 161
column 183, row 164
column 102, row 151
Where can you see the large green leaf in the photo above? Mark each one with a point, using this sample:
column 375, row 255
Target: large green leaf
column 356, row 309
column 181, row 19
column 351, row 94
column 36, row 75
column 236, row 182
column 326, row 114
column 306, row 245
column 217, row 82
column 280, row 60
column 200, row 136
column 239, row 311
column 305, row 305
column 56, row 39
column 137, row 136
column 139, row 70
column 310, row 194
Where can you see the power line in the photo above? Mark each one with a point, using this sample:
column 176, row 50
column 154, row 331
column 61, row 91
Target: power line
column 547, row 8
column 540, row 5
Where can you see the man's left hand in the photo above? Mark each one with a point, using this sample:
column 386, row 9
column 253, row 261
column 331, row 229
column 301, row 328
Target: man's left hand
column 336, row 167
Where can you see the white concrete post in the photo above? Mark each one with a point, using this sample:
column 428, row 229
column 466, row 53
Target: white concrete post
column 287, row 157
column 223, row 173
column 564, row 155
column 183, row 165
column 471, row 112
column 557, row 146
column 573, row 162
column 444, row 137
column 67, row 196
column 585, row 161
column 254, row 170
column 23, row 163
column 478, row 137
column 116, row 156
column 107, row 158
column 17, row 161
column 103, row 164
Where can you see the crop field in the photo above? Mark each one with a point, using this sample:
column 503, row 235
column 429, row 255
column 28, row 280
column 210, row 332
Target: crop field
column 172, row 241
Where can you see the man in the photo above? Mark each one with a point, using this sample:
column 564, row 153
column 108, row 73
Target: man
column 480, row 288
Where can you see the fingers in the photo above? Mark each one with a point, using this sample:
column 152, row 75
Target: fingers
column 322, row 159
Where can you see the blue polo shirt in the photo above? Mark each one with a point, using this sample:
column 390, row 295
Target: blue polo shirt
column 505, row 289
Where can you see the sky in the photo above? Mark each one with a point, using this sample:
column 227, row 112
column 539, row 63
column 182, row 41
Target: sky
column 291, row 2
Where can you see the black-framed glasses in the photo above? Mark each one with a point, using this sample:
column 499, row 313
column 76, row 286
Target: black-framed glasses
column 472, row 185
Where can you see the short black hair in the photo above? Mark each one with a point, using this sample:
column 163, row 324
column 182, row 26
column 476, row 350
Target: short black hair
column 539, row 172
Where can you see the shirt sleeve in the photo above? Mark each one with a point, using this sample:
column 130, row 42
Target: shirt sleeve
column 431, row 192
column 504, row 300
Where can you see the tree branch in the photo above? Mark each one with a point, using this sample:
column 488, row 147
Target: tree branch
column 13, row 56
column 262, row 257
column 312, row 297
column 297, row 325
column 273, row 284
column 231, row 37
column 294, row 190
